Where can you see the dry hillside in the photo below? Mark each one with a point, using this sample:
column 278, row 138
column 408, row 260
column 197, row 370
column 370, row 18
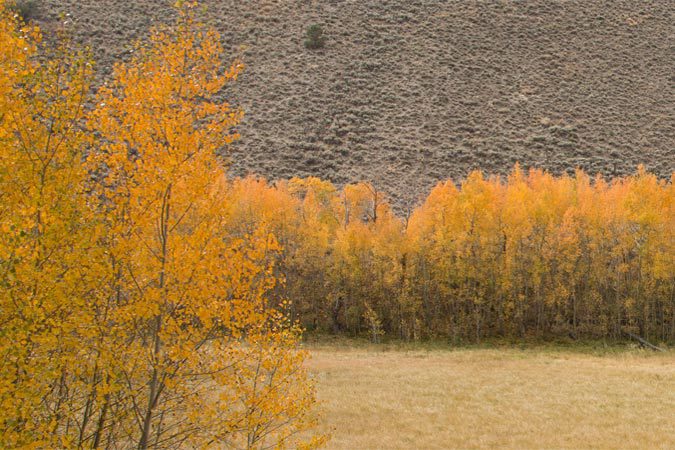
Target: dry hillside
column 408, row 92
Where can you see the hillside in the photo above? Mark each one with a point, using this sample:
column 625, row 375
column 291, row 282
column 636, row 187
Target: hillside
column 409, row 92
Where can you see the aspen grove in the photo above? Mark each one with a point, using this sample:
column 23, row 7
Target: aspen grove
column 531, row 255
column 147, row 300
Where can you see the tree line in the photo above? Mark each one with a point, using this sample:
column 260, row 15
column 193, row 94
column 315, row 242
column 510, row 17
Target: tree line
column 529, row 255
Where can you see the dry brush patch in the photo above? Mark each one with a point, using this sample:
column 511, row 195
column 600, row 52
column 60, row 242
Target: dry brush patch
column 405, row 94
column 472, row 398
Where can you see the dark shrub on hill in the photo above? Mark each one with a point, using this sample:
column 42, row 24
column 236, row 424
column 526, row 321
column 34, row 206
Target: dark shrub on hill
column 315, row 37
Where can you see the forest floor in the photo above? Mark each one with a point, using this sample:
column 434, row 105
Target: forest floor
column 534, row 397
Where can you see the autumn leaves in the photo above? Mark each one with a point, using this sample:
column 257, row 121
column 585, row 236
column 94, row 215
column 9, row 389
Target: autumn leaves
column 130, row 316
column 530, row 255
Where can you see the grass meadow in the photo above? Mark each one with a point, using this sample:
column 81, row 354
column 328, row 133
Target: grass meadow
column 538, row 397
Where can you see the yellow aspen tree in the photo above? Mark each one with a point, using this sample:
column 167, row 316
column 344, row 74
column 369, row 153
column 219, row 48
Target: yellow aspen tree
column 307, row 274
column 648, row 214
column 367, row 255
column 48, row 237
column 431, row 231
column 189, row 314
column 478, row 215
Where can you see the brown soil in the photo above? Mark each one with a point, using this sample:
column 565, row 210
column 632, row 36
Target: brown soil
column 409, row 92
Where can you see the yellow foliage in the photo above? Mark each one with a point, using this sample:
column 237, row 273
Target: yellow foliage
column 132, row 312
column 531, row 254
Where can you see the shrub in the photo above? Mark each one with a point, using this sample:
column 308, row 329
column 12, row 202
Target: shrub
column 25, row 9
column 315, row 37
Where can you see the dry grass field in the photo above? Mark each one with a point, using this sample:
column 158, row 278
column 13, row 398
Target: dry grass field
column 406, row 93
column 475, row 398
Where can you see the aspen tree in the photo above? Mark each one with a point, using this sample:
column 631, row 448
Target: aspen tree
column 47, row 236
column 131, row 316
column 206, row 359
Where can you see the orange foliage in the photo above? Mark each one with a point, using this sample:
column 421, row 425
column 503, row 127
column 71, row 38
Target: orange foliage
column 532, row 254
column 132, row 314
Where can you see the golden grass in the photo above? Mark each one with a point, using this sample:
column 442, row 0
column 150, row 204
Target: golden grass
column 508, row 398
